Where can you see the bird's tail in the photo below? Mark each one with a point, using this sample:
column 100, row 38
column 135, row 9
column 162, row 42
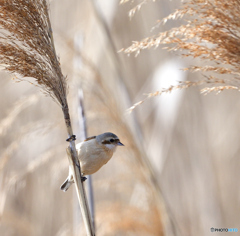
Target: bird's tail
column 65, row 186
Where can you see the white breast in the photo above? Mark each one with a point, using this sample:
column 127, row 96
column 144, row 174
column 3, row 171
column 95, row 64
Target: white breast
column 92, row 156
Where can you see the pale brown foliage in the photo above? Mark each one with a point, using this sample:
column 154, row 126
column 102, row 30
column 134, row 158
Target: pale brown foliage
column 27, row 48
column 212, row 33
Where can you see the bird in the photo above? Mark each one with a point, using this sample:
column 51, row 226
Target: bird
column 93, row 153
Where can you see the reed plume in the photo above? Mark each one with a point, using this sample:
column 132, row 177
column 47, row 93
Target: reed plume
column 27, row 51
column 211, row 34
column 27, row 47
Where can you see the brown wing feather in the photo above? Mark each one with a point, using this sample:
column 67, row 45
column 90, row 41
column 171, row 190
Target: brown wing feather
column 89, row 138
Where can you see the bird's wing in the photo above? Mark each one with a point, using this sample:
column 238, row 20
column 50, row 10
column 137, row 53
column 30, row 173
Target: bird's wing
column 92, row 137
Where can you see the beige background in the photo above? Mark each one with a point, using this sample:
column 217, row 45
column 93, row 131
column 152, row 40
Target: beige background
column 190, row 140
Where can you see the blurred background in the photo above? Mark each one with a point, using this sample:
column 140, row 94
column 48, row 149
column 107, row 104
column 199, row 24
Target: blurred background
column 178, row 172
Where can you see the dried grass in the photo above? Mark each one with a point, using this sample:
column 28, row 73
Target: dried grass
column 210, row 34
column 27, row 47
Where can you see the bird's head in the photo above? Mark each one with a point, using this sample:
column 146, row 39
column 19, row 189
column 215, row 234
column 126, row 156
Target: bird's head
column 109, row 140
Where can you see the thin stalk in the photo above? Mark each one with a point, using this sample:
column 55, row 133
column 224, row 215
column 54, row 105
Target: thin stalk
column 82, row 123
column 75, row 165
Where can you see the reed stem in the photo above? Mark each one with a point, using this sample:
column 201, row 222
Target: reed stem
column 75, row 165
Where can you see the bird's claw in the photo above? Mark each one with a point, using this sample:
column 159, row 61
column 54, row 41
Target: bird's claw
column 72, row 138
column 83, row 178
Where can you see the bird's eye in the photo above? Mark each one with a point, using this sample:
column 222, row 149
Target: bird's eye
column 111, row 140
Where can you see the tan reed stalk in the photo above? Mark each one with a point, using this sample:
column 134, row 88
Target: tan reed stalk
column 27, row 50
column 83, row 125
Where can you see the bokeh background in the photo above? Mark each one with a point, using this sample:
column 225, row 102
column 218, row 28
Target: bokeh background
column 178, row 172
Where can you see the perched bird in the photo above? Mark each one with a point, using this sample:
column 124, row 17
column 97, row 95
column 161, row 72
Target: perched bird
column 93, row 153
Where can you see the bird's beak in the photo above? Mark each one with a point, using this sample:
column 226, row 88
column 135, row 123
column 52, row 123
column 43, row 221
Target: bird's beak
column 120, row 144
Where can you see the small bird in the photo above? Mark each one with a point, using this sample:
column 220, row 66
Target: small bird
column 93, row 153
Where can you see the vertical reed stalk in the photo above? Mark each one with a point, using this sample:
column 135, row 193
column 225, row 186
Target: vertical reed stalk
column 82, row 124
column 75, row 165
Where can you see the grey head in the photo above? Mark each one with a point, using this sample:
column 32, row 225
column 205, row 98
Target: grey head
column 109, row 138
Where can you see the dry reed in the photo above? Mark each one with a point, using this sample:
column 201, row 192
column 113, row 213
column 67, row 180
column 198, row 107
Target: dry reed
column 27, row 47
column 210, row 34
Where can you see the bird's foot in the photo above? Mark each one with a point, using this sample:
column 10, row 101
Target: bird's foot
column 72, row 138
column 83, row 178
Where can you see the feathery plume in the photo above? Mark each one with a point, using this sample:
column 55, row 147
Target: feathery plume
column 211, row 34
column 27, row 47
